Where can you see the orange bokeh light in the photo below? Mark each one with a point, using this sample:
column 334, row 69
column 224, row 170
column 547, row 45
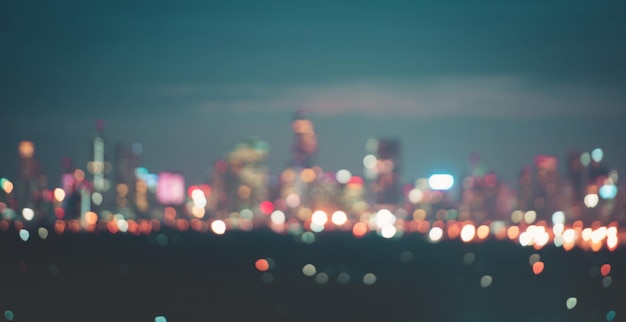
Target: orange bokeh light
column 91, row 218
column 513, row 232
column 262, row 265
column 359, row 230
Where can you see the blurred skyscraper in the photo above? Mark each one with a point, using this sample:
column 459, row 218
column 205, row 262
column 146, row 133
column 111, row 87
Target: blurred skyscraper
column 240, row 180
column 126, row 162
column 99, row 166
column 540, row 188
column 382, row 170
column 31, row 179
column 481, row 193
column 304, row 146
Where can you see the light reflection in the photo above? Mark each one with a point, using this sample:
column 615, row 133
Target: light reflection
column 469, row 258
column 24, row 234
column 321, row 278
column 369, row 279
column 262, row 265
column 486, row 281
column 343, row 278
column 28, row 214
column 42, row 232
column 309, row 270
column 8, row 314
column 610, row 316
column 571, row 303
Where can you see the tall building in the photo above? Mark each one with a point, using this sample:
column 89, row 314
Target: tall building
column 304, row 146
column 540, row 188
column 382, row 170
column 482, row 196
column 99, row 166
column 126, row 163
column 31, row 178
column 240, row 181
column 576, row 175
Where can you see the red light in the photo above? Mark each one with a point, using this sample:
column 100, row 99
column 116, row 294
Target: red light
column 206, row 188
column 59, row 212
column 355, row 180
column 266, row 207
column 191, row 189
column 262, row 265
column 538, row 267
column 359, row 230
column 605, row 269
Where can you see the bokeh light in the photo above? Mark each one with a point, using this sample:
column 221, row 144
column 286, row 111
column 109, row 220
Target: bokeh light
column 591, row 200
column 339, row 218
column 24, row 234
column 321, row 278
column 8, row 314
column 486, row 281
column 538, row 267
column 597, row 154
column 319, row 218
column 28, row 214
column 218, row 227
column 309, row 270
column 605, row 269
column 468, row 232
column 343, row 176
column 435, row 234
column 571, row 303
column 369, row 279
column 262, row 264
column 440, row 181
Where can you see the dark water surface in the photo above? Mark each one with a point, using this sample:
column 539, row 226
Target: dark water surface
column 203, row 277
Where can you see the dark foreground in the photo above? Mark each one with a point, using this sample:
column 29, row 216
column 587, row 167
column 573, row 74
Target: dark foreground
column 203, row 277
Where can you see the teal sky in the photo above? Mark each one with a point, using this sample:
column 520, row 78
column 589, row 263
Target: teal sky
column 507, row 80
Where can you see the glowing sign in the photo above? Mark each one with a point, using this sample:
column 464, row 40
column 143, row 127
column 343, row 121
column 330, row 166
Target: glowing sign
column 608, row 191
column 170, row 188
column 440, row 182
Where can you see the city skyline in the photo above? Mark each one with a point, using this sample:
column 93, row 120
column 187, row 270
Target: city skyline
column 446, row 161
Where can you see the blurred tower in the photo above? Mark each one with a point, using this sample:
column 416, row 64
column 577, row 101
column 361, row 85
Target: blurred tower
column 481, row 191
column 382, row 169
column 576, row 175
column 548, row 198
column 28, row 184
column 540, row 188
column 304, row 146
column 126, row 163
column 99, row 166
column 248, row 165
column 240, row 181
column 526, row 191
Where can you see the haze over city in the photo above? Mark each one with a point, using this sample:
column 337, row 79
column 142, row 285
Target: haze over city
column 506, row 81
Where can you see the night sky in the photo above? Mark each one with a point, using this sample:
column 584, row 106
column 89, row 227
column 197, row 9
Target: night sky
column 189, row 81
